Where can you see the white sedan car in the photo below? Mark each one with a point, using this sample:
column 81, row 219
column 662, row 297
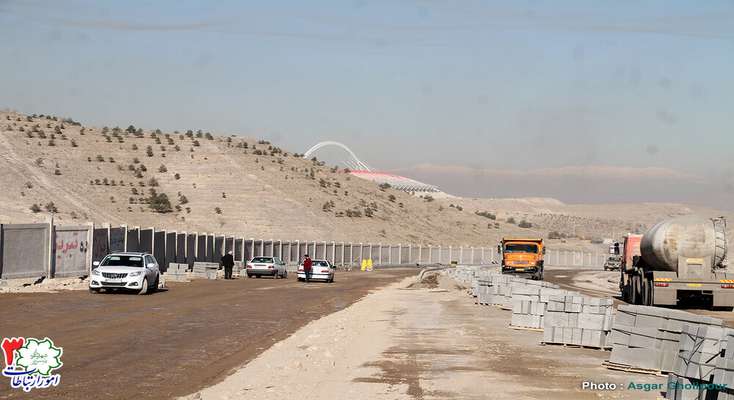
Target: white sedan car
column 128, row 271
column 321, row 270
column 266, row 266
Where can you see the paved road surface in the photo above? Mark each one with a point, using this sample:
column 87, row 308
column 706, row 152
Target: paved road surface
column 171, row 343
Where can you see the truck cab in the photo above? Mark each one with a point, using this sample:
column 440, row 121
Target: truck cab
column 522, row 256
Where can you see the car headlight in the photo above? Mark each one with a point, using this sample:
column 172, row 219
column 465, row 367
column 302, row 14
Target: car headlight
column 96, row 272
column 135, row 273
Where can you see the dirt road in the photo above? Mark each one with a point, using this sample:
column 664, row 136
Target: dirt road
column 423, row 344
column 174, row 342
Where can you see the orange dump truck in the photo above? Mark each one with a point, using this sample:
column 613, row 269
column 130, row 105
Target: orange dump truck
column 523, row 256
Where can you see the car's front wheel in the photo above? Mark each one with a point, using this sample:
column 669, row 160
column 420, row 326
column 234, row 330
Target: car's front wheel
column 144, row 287
column 154, row 286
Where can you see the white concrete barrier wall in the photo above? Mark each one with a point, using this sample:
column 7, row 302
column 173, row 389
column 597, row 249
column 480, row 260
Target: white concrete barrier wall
column 190, row 247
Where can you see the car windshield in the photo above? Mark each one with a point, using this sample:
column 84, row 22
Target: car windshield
column 521, row 248
column 321, row 263
column 123, row 261
column 262, row 260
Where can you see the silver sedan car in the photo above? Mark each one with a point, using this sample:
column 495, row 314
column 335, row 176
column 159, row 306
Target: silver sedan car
column 266, row 266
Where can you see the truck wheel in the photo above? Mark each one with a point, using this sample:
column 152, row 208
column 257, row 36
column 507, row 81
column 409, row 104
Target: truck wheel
column 623, row 289
column 634, row 289
column 646, row 292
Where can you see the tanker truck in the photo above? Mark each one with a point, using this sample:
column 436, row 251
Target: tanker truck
column 681, row 259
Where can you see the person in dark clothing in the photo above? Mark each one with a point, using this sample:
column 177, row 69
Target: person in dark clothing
column 307, row 264
column 228, row 263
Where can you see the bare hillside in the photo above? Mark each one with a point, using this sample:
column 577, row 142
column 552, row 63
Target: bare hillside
column 213, row 183
column 195, row 181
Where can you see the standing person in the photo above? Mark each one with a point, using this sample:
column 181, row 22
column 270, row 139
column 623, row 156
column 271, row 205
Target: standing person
column 307, row 264
column 228, row 263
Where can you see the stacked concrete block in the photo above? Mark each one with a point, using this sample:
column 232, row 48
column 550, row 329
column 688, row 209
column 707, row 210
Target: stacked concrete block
column 649, row 337
column 506, row 289
column 176, row 273
column 465, row 275
column 482, row 290
column 724, row 373
column 573, row 319
column 702, row 368
column 532, row 303
column 237, row 269
column 527, row 314
column 205, row 270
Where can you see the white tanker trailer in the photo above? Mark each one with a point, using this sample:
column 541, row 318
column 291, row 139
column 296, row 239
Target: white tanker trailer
column 681, row 258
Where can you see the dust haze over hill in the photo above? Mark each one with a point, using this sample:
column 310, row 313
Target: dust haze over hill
column 594, row 184
column 253, row 188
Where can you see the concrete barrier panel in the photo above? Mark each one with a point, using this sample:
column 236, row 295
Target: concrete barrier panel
column 25, row 251
column 293, row 257
column 100, row 244
column 229, row 246
column 159, row 247
column 319, row 250
column 117, row 239
column 338, row 252
column 210, row 249
column 285, row 252
column 71, row 251
column 394, row 255
column 171, row 247
column 249, row 253
column 218, row 248
column 303, row 251
column 181, row 248
column 133, row 240
column 348, row 259
column 276, row 248
column 190, row 249
column 267, row 248
column 407, row 256
column 146, row 241
column 373, row 252
column 201, row 248
column 239, row 254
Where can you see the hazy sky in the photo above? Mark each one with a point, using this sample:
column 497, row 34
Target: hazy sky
column 579, row 100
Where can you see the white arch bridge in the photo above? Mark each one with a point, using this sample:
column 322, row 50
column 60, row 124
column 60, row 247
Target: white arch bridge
column 362, row 170
column 354, row 163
